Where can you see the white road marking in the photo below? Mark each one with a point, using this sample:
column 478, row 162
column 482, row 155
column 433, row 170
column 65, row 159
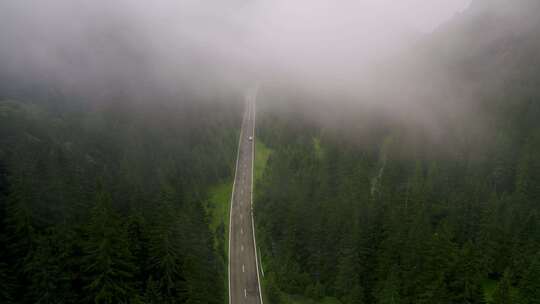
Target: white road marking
column 232, row 201
column 242, row 247
column 245, row 162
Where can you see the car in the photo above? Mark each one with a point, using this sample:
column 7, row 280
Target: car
column 250, row 138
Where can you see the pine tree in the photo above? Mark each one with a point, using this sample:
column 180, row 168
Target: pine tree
column 6, row 281
column 466, row 285
column 439, row 259
column 530, row 284
column 201, row 263
column 138, row 246
column 152, row 294
column 48, row 268
column 272, row 290
column 348, row 276
column 165, row 249
column 389, row 293
column 315, row 291
column 5, row 284
column 503, row 292
column 107, row 261
column 19, row 236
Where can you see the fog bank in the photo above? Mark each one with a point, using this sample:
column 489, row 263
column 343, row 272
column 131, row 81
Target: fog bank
column 360, row 52
column 191, row 44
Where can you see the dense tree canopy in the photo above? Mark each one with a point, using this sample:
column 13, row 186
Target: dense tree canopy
column 369, row 208
column 103, row 203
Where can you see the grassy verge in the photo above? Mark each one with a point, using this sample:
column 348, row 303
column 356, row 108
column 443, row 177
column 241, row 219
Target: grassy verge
column 218, row 211
column 262, row 152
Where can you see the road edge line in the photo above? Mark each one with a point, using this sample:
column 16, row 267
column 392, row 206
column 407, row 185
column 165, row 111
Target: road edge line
column 252, row 214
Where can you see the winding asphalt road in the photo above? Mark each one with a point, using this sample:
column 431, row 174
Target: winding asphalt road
column 244, row 286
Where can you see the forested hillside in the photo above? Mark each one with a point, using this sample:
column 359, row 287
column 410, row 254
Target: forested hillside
column 392, row 167
column 104, row 202
column 374, row 208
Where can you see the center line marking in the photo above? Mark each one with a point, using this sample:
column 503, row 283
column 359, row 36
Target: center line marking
column 245, row 293
column 242, row 247
column 243, row 270
column 242, row 230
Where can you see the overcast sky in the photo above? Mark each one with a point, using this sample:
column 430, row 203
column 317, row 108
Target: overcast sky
column 422, row 15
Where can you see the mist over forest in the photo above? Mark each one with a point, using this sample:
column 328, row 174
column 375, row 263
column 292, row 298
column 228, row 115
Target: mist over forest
column 396, row 156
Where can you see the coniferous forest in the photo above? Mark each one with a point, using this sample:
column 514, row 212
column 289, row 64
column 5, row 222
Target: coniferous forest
column 417, row 184
column 361, row 207
column 105, row 204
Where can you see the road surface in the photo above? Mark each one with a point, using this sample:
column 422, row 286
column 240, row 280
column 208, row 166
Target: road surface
column 244, row 286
